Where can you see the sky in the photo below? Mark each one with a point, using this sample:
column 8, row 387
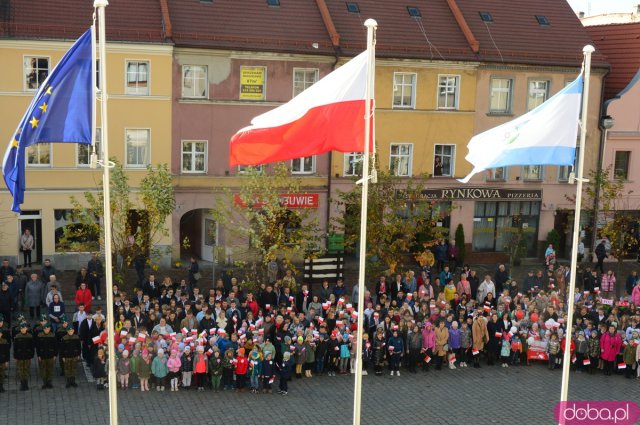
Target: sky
column 598, row 7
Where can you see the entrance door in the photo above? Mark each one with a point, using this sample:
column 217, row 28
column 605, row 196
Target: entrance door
column 31, row 220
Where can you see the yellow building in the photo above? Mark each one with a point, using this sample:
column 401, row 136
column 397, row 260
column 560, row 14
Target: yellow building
column 139, row 78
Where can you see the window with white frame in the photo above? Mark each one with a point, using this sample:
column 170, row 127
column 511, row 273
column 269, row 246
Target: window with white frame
column 194, row 156
column 538, row 93
column 448, row 91
column 404, row 89
column 194, row 81
column 532, row 172
column 501, row 92
column 303, row 78
column 36, row 70
column 83, row 158
column 306, row 165
column 137, row 78
column 497, row 174
column 443, row 160
column 565, row 170
column 246, row 169
column 39, row 155
column 352, row 164
column 400, row 159
column 137, row 147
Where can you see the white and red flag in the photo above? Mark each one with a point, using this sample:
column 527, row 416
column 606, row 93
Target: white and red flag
column 328, row 116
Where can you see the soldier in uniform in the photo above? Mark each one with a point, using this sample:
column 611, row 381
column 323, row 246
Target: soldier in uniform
column 23, row 351
column 47, row 346
column 61, row 333
column 70, row 351
column 5, row 347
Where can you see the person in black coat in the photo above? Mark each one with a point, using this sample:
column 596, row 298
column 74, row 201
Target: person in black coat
column 285, row 373
column 207, row 322
column 495, row 329
column 47, row 350
column 6, row 302
column 87, row 331
column 501, row 278
column 269, row 298
column 70, row 347
column 5, row 348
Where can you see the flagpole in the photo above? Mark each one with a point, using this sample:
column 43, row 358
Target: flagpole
column 566, row 362
column 106, row 188
column 371, row 25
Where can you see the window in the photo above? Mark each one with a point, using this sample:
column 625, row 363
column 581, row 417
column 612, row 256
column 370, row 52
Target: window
column 353, row 7
column 565, row 170
column 448, row 91
column 303, row 79
column 194, row 156
column 501, row 90
column 137, row 78
column 83, row 158
column 72, row 234
column 273, row 3
column 443, row 160
column 36, row 70
column 414, row 12
column 486, row 17
column 543, row 20
column 495, row 223
column 352, row 164
column 400, row 161
column 538, row 93
column 621, row 164
column 39, row 155
column 532, row 172
column 137, row 148
column 497, row 174
column 247, row 169
column 306, row 165
column 194, row 81
column 404, row 88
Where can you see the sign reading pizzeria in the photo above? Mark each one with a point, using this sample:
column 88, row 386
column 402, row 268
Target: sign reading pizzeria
column 483, row 193
column 289, row 200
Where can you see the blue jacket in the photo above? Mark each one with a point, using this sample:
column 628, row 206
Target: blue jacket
column 285, row 369
column 397, row 344
column 454, row 338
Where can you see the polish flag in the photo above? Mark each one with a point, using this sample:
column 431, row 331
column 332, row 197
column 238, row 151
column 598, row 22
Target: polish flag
column 586, row 362
column 622, row 365
column 475, row 352
column 327, row 116
column 427, row 359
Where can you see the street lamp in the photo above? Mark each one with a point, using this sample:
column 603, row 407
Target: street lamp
column 606, row 123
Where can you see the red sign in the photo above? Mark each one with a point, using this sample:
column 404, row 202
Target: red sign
column 290, row 200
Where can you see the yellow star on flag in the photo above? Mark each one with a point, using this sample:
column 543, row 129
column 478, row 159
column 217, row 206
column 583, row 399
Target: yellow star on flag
column 14, row 143
column 44, row 107
column 34, row 122
column 49, row 90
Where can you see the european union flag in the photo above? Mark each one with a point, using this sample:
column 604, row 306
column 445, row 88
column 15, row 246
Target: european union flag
column 61, row 111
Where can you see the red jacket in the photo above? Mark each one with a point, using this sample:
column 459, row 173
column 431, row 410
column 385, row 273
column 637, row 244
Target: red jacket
column 242, row 365
column 84, row 297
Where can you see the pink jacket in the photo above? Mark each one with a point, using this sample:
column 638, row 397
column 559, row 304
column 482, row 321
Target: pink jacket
column 173, row 364
column 635, row 295
column 610, row 346
column 428, row 337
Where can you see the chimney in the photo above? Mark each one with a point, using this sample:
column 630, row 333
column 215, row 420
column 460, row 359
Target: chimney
column 580, row 15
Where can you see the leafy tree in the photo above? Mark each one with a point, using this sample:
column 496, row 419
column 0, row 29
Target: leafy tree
column 401, row 223
column 553, row 238
column 516, row 243
column 615, row 212
column 257, row 213
column 137, row 225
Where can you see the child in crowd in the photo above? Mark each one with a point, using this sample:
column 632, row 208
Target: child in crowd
column 174, row 364
column 215, row 369
column 267, row 372
column 200, row 366
column 159, row 370
column 124, row 369
column 187, row 367
column 285, row 373
column 553, row 350
column 144, row 370
column 228, row 366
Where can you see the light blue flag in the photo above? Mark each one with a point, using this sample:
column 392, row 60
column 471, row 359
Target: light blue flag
column 546, row 135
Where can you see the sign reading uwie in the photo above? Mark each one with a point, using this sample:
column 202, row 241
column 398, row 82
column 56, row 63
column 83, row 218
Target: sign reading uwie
column 290, row 200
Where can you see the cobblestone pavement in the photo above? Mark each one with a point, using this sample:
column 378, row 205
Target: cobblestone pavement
column 491, row 395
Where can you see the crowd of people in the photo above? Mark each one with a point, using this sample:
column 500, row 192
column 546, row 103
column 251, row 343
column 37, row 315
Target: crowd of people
column 178, row 336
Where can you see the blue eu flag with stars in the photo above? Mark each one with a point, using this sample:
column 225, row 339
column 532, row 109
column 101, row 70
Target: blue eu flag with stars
column 61, row 111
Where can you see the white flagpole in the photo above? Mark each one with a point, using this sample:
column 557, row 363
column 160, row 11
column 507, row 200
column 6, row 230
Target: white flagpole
column 566, row 362
column 371, row 25
column 106, row 187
